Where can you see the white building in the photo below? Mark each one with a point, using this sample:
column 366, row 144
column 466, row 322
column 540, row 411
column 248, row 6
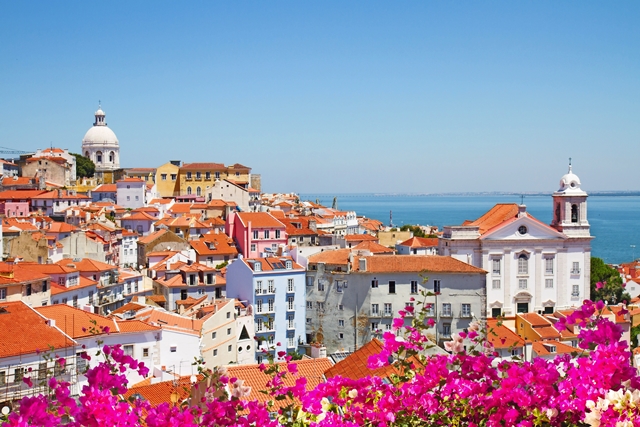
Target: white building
column 530, row 266
column 131, row 193
column 101, row 145
column 247, row 198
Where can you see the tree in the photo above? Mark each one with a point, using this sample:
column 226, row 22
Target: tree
column 85, row 168
column 606, row 283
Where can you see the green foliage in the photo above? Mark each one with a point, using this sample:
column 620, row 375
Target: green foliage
column 85, row 168
column 606, row 283
column 222, row 265
column 634, row 336
column 415, row 229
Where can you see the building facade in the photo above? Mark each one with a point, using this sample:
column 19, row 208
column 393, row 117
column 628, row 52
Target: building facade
column 531, row 266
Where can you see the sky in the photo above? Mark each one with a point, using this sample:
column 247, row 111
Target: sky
column 336, row 97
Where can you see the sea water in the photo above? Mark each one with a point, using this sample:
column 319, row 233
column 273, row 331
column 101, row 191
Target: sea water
column 614, row 220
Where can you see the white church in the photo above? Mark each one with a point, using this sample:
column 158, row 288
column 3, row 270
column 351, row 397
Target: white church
column 531, row 266
column 101, row 145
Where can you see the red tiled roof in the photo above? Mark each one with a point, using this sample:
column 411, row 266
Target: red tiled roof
column 24, row 331
column 106, row 188
column 496, row 215
column 259, row 220
column 421, row 242
column 418, row 263
column 561, row 348
column 501, row 336
column 373, row 247
column 210, row 166
column 360, row 238
column 311, row 369
column 333, row 257
column 87, row 265
column 355, row 366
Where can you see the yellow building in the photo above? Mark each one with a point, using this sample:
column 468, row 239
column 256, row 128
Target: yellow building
column 167, row 179
column 195, row 178
column 148, row 175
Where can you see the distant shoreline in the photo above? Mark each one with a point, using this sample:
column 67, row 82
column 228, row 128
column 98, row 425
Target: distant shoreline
column 495, row 193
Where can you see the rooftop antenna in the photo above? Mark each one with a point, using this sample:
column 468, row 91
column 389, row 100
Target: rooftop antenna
column 569, row 164
column 522, row 199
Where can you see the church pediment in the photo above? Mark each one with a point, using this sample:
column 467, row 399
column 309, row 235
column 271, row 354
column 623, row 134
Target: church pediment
column 523, row 228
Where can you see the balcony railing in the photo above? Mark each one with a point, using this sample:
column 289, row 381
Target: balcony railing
column 575, row 271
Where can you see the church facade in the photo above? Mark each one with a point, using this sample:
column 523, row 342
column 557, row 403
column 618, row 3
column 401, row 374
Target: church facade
column 101, row 145
column 531, row 266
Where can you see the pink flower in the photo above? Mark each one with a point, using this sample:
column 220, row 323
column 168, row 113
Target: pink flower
column 599, row 285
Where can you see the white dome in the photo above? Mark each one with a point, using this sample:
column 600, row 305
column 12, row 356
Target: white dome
column 100, row 135
column 99, row 112
column 570, row 184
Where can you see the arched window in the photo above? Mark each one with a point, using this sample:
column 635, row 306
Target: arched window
column 523, row 264
column 112, row 156
column 188, row 190
column 99, row 157
column 574, row 213
column 198, row 191
column 86, row 154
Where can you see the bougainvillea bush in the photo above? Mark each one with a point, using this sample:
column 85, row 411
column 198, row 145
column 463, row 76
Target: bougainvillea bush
column 596, row 387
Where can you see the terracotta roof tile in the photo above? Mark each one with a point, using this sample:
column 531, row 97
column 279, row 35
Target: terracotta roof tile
column 417, row 263
column 259, row 220
column 501, row 336
column 373, row 247
column 24, row 331
column 420, row 242
column 355, row 366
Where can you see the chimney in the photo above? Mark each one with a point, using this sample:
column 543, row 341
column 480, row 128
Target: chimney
column 522, row 211
column 168, row 265
column 51, row 322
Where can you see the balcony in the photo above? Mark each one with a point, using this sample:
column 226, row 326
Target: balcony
column 373, row 313
column 464, row 315
column 387, row 314
column 575, row 271
column 446, row 314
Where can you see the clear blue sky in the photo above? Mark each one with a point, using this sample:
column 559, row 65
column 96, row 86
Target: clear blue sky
column 337, row 96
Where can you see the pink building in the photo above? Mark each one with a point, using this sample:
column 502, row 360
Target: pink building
column 256, row 233
column 14, row 209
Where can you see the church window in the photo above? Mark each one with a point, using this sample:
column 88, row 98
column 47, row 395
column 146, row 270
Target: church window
column 112, row 156
column 99, row 157
column 523, row 264
column 522, row 283
column 188, row 190
column 198, row 191
column 574, row 213
column 86, row 154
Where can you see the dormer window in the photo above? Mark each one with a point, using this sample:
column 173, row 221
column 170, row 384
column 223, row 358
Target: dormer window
column 257, row 266
column 289, row 265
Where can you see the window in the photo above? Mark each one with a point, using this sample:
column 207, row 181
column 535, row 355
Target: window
column 466, row 310
column 308, row 320
column 446, row 330
column 388, row 309
column 320, row 286
column 272, row 287
column 522, row 283
column 228, row 331
column 75, row 301
column 446, row 309
column 228, row 315
column 374, row 283
column 340, row 336
column 215, row 352
column 575, row 268
column 91, row 297
column 574, row 213
column 522, row 307
column 128, row 350
column 253, row 247
column 575, row 290
column 414, row 286
column 290, row 322
column 409, row 312
column 309, row 281
column 339, row 286
column 430, row 309
column 192, row 279
column 198, row 175
column 496, row 312
column 217, row 175
column 188, row 175
column 18, row 373
column 549, row 310
column 163, row 177
column 3, row 294
column 209, row 278
column 44, row 286
column 266, row 234
column 259, row 324
column 188, row 190
column 145, row 352
column 42, row 370
column 523, row 264
column 548, row 283
column 496, row 266
column 259, row 306
column 270, row 303
column 320, row 306
column 28, row 289
column 277, row 234
column 309, row 305
column 229, row 347
column 258, row 286
column 128, row 198
column 341, row 307
column 137, row 198
column 290, row 304
column 436, row 286
column 496, row 284
column 290, row 287
column 375, row 310
column 255, row 234
column 392, row 286
column 374, row 326
column 548, row 265
column 341, row 323
column 174, row 176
